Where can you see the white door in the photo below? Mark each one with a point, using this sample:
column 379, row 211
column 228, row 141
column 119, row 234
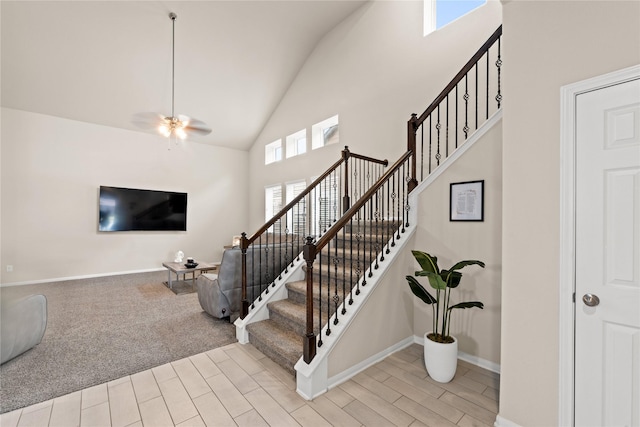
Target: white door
column 607, row 309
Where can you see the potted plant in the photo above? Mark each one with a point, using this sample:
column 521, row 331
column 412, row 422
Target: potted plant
column 440, row 348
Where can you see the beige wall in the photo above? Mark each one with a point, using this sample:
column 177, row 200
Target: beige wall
column 384, row 321
column 52, row 169
column 393, row 314
column 547, row 44
column 477, row 331
column 374, row 70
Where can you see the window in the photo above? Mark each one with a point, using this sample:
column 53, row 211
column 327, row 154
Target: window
column 272, row 201
column 438, row 13
column 325, row 133
column 273, row 152
column 297, row 143
column 327, row 203
column 297, row 218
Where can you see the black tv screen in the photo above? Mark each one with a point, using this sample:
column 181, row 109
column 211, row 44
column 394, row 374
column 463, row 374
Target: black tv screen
column 128, row 209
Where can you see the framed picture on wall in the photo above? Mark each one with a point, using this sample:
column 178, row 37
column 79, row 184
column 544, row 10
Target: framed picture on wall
column 466, row 201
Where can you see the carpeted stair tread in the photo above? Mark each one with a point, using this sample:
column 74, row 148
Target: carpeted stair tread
column 293, row 315
column 279, row 343
column 298, row 292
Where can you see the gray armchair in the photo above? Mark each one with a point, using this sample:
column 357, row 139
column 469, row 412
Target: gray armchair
column 22, row 324
column 220, row 294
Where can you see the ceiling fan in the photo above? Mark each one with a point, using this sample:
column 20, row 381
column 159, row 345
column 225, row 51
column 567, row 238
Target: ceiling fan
column 179, row 126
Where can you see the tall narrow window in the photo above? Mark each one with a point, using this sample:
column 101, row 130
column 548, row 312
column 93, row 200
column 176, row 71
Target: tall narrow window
column 273, row 152
column 297, row 143
column 297, row 218
column 272, row 204
column 327, row 206
column 325, row 133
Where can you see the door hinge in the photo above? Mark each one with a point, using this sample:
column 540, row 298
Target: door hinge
column 574, row 297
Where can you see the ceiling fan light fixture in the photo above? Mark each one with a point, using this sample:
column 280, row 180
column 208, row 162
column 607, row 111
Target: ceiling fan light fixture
column 173, row 126
column 178, row 126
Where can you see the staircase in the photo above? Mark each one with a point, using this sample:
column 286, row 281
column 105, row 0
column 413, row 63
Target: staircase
column 280, row 337
column 351, row 227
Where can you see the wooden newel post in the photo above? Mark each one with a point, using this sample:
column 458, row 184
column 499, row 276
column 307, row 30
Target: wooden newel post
column 411, row 146
column 346, row 202
column 244, row 245
column 309, row 252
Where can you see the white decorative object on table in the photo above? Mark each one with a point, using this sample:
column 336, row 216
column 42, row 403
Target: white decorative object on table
column 179, row 256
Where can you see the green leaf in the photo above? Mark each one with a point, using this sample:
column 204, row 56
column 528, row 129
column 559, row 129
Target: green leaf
column 463, row 264
column 426, row 261
column 436, row 281
column 419, row 291
column 451, row 278
column 468, row 304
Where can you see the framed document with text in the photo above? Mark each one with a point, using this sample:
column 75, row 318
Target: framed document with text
column 466, row 201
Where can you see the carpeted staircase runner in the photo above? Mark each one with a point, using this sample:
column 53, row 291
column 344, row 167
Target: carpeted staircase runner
column 281, row 336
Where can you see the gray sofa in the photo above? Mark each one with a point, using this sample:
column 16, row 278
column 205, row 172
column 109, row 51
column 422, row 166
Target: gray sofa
column 22, row 324
column 220, row 294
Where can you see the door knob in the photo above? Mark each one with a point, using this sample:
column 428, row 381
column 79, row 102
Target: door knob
column 591, row 300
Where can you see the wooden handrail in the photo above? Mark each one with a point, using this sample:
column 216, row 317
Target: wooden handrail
column 335, row 228
column 307, row 190
column 389, row 179
column 289, row 205
column 245, row 242
column 384, row 162
column 467, row 67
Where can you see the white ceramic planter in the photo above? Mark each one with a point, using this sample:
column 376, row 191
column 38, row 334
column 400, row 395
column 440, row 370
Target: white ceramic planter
column 440, row 359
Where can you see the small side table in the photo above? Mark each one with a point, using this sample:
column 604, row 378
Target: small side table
column 179, row 268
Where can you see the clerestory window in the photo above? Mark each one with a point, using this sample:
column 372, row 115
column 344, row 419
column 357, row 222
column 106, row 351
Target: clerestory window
column 296, row 143
column 438, row 13
column 273, row 152
column 325, row 133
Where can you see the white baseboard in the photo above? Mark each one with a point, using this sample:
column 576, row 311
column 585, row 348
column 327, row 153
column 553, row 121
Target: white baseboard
column 370, row 361
column 474, row 360
column 88, row 276
column 503, row 422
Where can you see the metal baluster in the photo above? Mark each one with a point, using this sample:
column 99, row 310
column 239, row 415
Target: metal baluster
column 393, row 208
column 466, row 106
column 377, row 235
column 336, row 297
column 398, row 217
column 446, row 121
column 267, row 276
column 487, row 114
column 422, row 152
column 319, row 261
column 344, row 270
column 456, row 116
column 430, row 140
column 438, row 126
column 476, row 68
column 499, row 65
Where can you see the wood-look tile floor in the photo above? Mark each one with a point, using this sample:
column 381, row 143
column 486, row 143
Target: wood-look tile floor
column 238, row 385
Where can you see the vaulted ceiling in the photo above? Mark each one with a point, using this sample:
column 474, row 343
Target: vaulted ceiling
column 104, row 61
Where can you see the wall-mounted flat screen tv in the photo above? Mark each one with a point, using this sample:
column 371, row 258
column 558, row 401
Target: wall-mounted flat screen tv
column 128, row 209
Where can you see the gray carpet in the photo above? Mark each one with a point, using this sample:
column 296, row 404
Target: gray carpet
column 105, row 328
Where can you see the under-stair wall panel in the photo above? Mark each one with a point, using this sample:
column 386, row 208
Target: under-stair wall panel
column 385, row 320
column 477, row 331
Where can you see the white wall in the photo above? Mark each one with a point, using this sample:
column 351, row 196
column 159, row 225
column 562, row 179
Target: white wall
column 547, row 45
column 52, row 169
column 374, row 70
column 477, row 331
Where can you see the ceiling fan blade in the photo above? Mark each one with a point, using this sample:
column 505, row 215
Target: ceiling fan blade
column 147, row 120
column 197, row 127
